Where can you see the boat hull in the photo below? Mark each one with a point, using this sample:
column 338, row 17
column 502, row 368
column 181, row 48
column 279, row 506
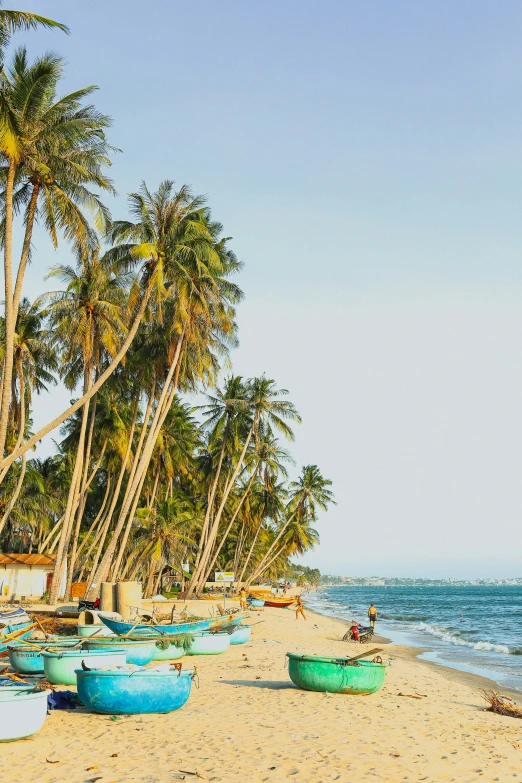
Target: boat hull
column 27, row 659
column 241, row 635
column 59, row 668
column 22, row 712
column 90, row 630
column 209, row 644
column 8, row 635
column 257, row 602
column 330, row 675
column 280, row 604
column 121, row 628
column 134, row 693
column 138, row 652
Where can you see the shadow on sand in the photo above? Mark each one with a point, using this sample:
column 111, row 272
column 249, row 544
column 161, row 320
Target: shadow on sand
column 271, row 685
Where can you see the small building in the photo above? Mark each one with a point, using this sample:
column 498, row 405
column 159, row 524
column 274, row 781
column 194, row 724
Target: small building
column 27, row 577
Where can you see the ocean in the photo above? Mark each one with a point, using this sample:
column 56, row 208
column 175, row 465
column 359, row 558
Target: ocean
column 477, row 629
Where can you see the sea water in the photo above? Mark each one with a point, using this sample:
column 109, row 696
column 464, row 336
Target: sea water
column 473, row 628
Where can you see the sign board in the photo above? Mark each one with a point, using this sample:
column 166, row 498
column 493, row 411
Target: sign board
column 185, row 567
column 224, row 576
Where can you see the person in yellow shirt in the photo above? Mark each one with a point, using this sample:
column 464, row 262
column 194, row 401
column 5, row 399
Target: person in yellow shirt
column 299, row 608
column 372, row 614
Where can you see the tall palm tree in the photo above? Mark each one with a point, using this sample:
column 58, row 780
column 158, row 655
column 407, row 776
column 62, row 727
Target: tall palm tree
column 52, row 151
column 87, row 319
column 15, row 21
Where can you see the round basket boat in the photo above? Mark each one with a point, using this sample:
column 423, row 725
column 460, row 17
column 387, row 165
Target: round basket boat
column 241, row 635
column 60, row 667
column 27, row 658
column 22, row 712
column 138, row 651
column 206, row 643
column 99, row 630
column 256, row 601
column 335, row 675
column 166, row 650
column 124, row 692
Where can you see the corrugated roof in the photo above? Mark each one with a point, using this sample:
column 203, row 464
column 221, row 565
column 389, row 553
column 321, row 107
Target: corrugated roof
column 29, row 560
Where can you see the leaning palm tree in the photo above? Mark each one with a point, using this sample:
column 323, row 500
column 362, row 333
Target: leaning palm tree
column 87, row 319
column 16, row 21
column 53, row 152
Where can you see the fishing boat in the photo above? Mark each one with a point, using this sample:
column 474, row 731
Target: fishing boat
column 22, row 712
column 257, row 602
column 335, row 675
column 280, row 602
column 122, row 628
column 208, row 643
column 26, row 657
column 129, row 692
column 241, row 635
column 15, row 624
column 60, row 665
column 138, row 651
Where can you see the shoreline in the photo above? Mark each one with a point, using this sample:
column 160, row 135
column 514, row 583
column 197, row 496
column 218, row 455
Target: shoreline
column 248, row 722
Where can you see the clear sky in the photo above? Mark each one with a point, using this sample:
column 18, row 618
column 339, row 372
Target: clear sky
column 366, row 158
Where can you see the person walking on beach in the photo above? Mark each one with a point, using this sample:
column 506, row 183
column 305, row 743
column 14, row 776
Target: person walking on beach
column 243, row 598
column 299, row 608
column 372, row 614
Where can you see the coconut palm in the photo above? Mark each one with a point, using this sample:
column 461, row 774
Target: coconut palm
column 53, row 151
column 15, row 21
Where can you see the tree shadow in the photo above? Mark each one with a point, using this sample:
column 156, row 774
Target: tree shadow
column 272, row 685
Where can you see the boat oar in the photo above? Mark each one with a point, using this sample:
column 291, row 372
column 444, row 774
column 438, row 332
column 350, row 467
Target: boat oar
column 42, row 629
column 364, row 654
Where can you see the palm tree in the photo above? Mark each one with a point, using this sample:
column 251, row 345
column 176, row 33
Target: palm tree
column 53, row 151
column 307, row 494
column 15, row 21
column 87, row 322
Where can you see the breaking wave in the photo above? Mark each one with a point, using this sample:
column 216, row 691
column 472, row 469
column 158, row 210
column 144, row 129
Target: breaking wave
column 454, row 637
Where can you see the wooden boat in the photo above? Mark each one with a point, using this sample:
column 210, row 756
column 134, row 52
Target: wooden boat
column 130, row 692
column 280, row 602
column 138, row 651
column 15, row 624
column 60, row 666
column 26, row 657
column 335, row 675
column 207, row 643
column 241, row 635
column 22, row 712
column 138, row 629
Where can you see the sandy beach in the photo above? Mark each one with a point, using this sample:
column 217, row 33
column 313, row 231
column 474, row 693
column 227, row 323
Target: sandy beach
column 247, row 722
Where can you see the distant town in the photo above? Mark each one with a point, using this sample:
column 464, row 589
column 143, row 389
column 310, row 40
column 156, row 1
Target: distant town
column 386, row 581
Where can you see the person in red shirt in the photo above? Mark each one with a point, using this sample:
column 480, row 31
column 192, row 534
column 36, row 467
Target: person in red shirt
column 355, row 631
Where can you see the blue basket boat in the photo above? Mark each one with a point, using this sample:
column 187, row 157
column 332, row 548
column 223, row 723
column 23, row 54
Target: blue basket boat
column 208, row 643
column 256, row 601
column 138, row 651
column 15, row 624
column 125, row 692
column 60, row 666
column 26, row 658
column 241, row 634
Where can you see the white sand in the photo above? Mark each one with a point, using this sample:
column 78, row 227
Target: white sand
column 248, row 723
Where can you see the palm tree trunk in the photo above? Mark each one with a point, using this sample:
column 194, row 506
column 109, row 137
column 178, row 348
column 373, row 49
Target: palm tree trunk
column 204, row 529
column 250, row 552
column 159, row 417
column 87, row 395
column 73, row 495
column 51, row 535
column 21, row 431
column 26, row 249
column 229, row 527
column 7, row 372
column 213, row 532
column 98, row 516
column 261, row 567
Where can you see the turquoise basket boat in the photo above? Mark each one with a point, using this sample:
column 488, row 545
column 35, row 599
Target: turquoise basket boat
column 27, row 658
column 209, row 644
column 335, row 675
column 134, row 693
column 256, row 602
column 241, row 635
column 166, row 650
column 22, row 712
column 60, row 667
column 144, row 629
column 138, row 651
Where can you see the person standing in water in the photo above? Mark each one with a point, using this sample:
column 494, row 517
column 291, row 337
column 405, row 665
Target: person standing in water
column 372, row 614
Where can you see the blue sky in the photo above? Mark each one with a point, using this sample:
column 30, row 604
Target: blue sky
column 366, row 160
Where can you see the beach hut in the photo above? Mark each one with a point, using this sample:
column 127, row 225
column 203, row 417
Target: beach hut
column 25, row 577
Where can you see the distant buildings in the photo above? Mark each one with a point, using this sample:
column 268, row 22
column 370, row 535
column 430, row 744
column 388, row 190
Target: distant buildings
column 385, row 581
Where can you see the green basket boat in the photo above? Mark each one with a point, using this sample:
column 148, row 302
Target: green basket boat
column 335, row 675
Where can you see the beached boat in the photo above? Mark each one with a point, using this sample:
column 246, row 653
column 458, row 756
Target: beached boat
column 60, row 666
column 166, row 648
column 241, row 635
column 258, row 602
column 138, row 651
column 26, row 657
column 138, row 629
column 22, row 712
column 14, row 624
column 335, row 675
column 208, row 643
column 90, row 630
column 280, row 602
column 130, row 692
